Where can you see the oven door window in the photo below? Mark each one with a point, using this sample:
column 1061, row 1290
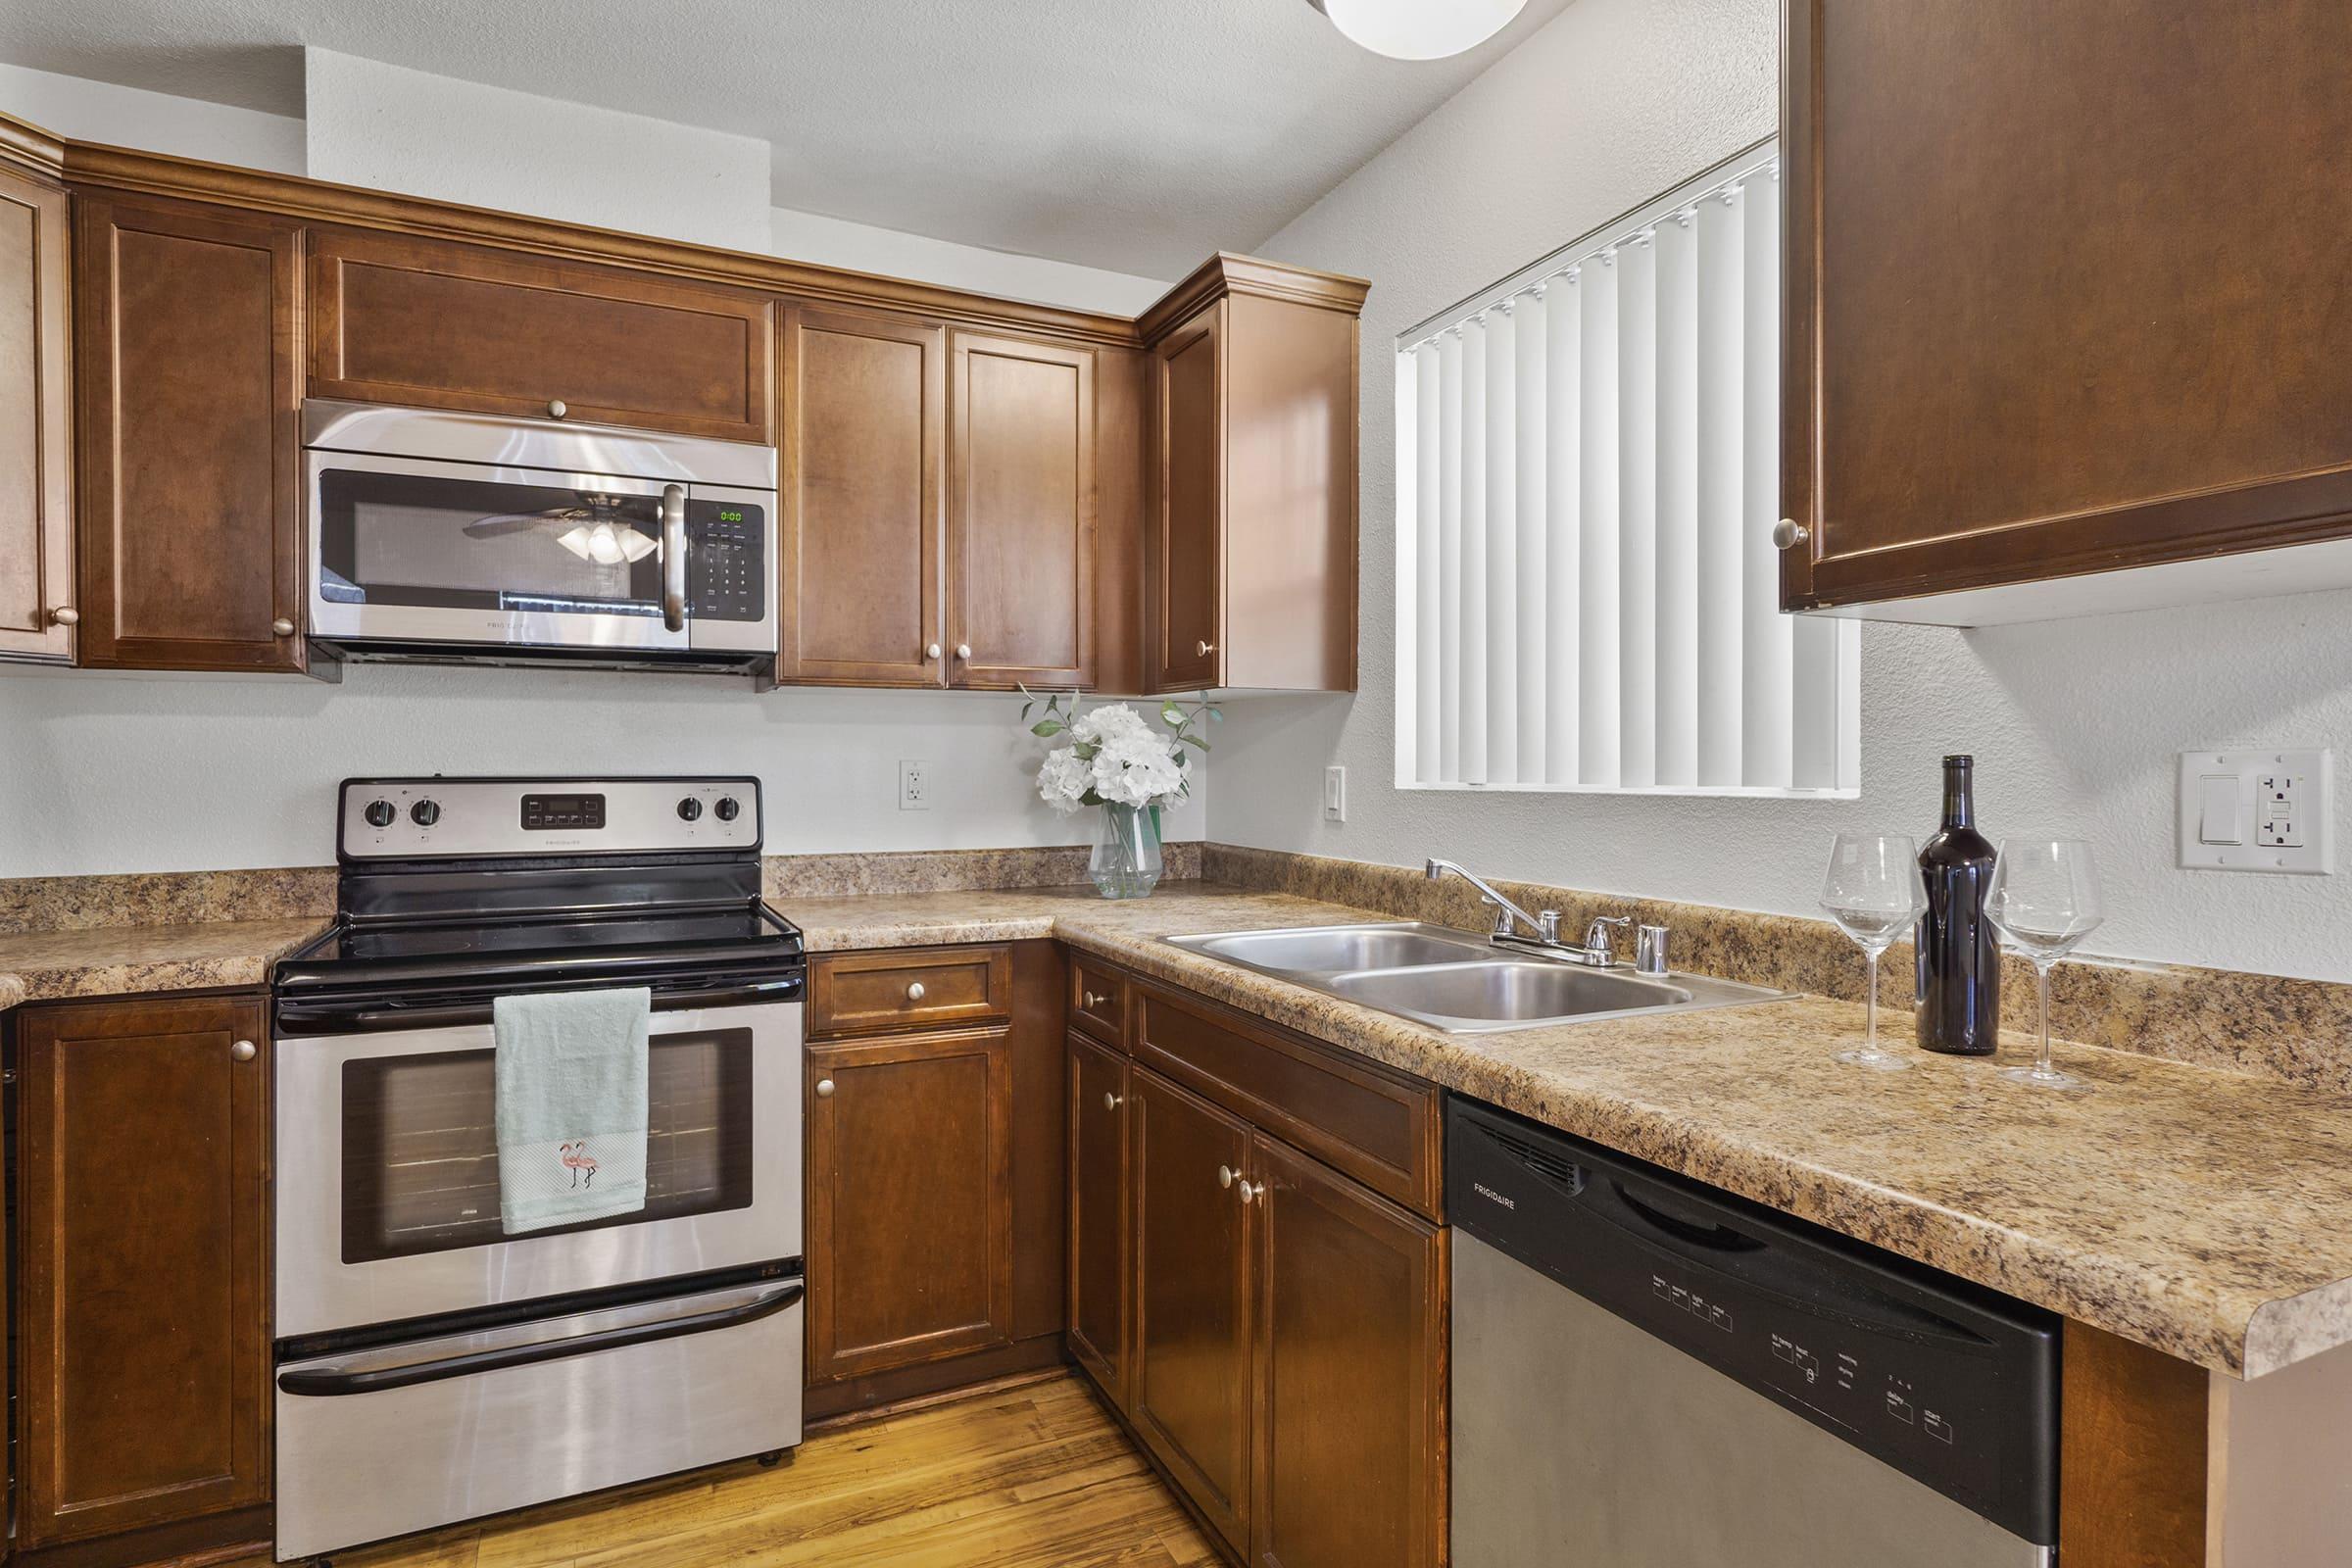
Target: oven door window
column 479, row 543
column 421, row 1145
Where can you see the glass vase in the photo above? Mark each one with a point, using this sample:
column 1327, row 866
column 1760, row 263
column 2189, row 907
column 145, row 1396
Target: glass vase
column 1126, row 863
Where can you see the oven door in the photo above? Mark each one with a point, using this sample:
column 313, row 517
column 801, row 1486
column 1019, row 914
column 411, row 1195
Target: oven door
column 418, row 549
column 387, row 1172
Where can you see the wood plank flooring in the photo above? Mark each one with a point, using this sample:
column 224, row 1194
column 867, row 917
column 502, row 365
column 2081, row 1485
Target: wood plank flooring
column 1029, row 1477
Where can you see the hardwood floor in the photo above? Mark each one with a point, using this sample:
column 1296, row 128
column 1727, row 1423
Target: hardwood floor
column 1034, row 1475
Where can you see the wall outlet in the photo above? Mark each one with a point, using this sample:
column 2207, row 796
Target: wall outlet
column 2257, row 811
column 1335, row 795
column 914, row 786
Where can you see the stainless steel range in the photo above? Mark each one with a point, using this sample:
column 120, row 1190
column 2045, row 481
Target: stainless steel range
column 430, row 1366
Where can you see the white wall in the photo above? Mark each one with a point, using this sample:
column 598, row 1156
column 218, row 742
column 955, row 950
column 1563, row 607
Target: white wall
column 123, row 773
column 2074, row 724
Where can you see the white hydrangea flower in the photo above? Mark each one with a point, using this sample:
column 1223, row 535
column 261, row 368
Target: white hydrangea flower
column 1064, row 779
column 1116, row 754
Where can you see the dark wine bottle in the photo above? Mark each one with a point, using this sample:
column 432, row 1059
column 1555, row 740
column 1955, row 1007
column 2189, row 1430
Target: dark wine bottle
column 1959, row 951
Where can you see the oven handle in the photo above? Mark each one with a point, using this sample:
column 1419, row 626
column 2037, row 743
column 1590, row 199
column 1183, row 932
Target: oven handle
column 673, row 556
column 297, row 1018
column 328, row 1383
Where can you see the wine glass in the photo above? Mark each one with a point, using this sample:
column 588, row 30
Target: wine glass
column 2043, row 899
column 1873, row 892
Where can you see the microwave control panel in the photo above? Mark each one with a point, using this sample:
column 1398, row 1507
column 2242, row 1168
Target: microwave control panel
column 726, row 560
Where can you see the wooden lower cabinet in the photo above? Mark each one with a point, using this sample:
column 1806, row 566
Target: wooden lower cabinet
column 1351, row 1373
column 142, row 1309
column 1100, row 1256
column 1194, row 1281
column 909, row 1201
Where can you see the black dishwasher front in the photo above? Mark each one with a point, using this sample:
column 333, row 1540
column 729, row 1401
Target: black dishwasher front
column 1947, row 1383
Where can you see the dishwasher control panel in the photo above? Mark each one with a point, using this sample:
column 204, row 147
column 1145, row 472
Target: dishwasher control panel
column 1951, row 1384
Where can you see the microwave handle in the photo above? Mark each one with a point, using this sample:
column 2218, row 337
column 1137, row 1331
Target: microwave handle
column 673, row 556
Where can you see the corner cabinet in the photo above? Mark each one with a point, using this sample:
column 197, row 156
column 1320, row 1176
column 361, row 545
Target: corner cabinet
column 38, row 604
column 1269, row 1321
column 2052, row 351
column 143, row 1305
column 1250, row 553
column 186, row 325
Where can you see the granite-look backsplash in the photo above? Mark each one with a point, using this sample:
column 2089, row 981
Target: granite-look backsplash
column 2299, row 1031
column 817, row 876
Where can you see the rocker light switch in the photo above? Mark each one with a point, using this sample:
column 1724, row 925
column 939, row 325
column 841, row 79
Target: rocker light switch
column 2218, row 817
column 2257, row 811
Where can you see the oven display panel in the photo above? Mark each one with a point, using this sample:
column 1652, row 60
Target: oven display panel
column 544, row 812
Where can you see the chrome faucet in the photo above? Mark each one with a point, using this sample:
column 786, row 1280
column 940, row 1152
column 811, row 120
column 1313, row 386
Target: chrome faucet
column 1545, row 924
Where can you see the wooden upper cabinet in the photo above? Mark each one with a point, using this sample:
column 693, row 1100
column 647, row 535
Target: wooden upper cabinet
column 38, row 607
column 865, row 425
column 1190, row 1395
column 2063, row 298
column 186, row 326
column 401, row 318
column 1251, row 566
column 1020, row 540
column 1351, row 1419
column 909, row 1201
column 143, row 1305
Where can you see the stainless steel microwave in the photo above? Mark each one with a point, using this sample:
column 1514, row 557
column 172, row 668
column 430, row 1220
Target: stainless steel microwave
column 466, row 536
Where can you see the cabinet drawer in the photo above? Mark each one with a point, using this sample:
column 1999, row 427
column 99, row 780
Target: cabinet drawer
column 862, row 992
column 1098, row 1000
column 398, row 319
column 1382, row 1129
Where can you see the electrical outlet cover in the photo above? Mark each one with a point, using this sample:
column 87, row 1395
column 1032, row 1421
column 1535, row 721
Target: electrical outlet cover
column 2284, row 822
column 914, row 786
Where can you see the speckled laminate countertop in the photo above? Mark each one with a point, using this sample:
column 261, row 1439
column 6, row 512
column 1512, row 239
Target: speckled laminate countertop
column 2201, row 1212
column 122, row 960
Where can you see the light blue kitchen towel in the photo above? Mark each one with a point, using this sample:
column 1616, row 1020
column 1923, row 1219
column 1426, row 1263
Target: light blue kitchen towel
column 571, row 1068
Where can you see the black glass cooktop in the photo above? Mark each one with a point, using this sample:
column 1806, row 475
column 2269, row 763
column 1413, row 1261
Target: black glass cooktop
column 569, row 934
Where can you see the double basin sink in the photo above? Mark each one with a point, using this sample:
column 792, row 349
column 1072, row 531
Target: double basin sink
column 1459, row 981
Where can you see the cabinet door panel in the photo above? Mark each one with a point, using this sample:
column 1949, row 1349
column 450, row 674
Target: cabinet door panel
column 1191, row 1390
column 142, row 1314
column 909, row 1202
column 1351, row 1428
column 2134, row 380
column 1188, row 546
column 1021, row 513
column 190, row 537
column 36, row 462
column 1099, row 1209
column 865, row 419
column 401, row 318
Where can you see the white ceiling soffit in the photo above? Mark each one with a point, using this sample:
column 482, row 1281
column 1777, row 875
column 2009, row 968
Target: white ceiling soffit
column 1131, row 134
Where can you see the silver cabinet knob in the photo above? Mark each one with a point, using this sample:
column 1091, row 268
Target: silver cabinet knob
column 1110, row 1102
column 1224, row 1175
column 914, row 990
column 1205, row 649
column 66, row 616
column 1249, row 1191
column 824, row 1089
column 243, row 1051
column 555, row 408
column 1094, row 1000
column 281, row 627
column 1788, row 533
column 964, row 650
column 931, row 651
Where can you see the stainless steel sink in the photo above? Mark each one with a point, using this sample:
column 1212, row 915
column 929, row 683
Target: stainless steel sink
column 1459, row 981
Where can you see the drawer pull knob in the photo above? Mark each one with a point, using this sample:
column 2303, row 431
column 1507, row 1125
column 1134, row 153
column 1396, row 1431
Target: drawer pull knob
column 824, row 1089
column 243, row 1051
column 1094, row 1001
column 282, row 627
column 555, row 408
column 914, row 990
column 1224, row 1175
column 1110, row 1102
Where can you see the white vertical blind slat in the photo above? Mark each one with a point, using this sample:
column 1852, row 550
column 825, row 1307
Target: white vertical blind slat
column 1591, row 478
column 1677, row 630
column 1471, row 693
column 1503, row 548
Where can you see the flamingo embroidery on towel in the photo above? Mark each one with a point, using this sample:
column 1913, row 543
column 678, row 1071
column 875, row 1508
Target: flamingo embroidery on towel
column 579, row 1160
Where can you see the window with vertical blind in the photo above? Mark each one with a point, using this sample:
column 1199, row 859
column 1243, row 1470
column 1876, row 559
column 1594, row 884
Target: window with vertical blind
column 1588, row 475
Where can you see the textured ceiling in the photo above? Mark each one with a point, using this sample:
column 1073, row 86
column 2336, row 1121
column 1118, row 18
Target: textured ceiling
column 1133, row 135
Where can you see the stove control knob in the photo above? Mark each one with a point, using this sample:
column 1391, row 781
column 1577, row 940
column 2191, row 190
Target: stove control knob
column 689, row 809
column 728, row 809
column 424, row 814
column 381, row 814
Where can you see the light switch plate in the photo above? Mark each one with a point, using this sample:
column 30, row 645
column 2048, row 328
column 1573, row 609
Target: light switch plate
column 2285, row 810
column 1335, row 795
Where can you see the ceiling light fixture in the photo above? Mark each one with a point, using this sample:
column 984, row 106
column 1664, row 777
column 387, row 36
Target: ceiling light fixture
column 1419, row 30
